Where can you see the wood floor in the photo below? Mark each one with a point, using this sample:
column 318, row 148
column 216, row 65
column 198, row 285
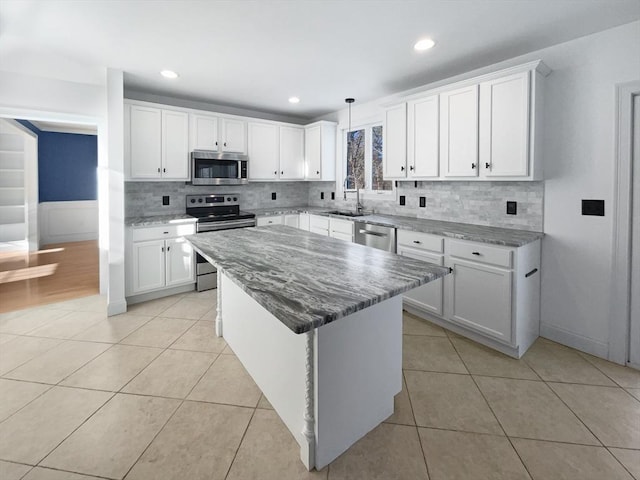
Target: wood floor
column 53, row 274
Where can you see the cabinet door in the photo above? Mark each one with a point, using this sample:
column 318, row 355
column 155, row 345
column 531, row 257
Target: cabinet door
column 292, row 220
column 175, row 145
column 342, row 236
column 459, row 132
column 304, row 222
column 480, row 298
column 313, row 152
column 179, row 258
column 148, row 266
column 429, row 296
column 395, row 143
column 272, row 220
column 234, row 136
column 291, row 153
column 146, row 142
column 504, row 126
column 423, row 137
column 204, row 132
column 263, row 151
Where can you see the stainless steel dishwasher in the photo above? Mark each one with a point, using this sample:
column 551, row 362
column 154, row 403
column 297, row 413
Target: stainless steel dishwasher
column 376, row 236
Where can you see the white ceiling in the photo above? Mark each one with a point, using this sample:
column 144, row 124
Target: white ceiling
column 257, row 53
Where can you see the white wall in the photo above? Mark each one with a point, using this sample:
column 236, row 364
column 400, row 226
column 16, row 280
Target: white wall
column 62, row 222
column 579, row 156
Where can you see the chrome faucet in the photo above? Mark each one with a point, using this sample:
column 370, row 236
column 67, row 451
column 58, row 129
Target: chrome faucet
column 359, row 206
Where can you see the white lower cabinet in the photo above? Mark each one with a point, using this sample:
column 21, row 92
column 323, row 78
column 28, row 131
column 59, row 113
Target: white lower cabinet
column 341, row 229
column 156, row 258
column 319, row 224
column 303, row 222
column 492, row 294
column 480, row 298
column 292, row 220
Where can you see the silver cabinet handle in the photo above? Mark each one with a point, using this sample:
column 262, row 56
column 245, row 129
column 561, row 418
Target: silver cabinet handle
column 375, row 234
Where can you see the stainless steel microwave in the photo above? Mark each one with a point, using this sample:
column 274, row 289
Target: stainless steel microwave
column 214, row 168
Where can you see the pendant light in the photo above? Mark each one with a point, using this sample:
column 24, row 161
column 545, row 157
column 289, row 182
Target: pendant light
column 349, row 101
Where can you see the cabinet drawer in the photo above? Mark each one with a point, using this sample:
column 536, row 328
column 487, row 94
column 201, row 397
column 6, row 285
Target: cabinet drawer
column 482, row 253
column 318, row 223
column 163, row 231
column 421, row 241
column 272, row 220
column 341, row 226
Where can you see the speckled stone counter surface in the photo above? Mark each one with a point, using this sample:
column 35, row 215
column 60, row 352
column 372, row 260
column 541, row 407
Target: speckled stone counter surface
column 307, row 280
column 158, row 220
column 464, row 231
column 508, row 237
column 265, row 212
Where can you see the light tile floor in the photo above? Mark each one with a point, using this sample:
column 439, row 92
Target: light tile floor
column 154, row 394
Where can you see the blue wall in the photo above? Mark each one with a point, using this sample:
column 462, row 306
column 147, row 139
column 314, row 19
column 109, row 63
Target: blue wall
column 67, row 165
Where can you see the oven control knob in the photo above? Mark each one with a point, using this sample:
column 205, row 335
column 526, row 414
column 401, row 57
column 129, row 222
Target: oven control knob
column 228, row 199
column 235, row 199
column 199, row 200
column 193, row 200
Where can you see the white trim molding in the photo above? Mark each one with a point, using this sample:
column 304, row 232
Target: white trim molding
column 618, row 348
column 74, row 221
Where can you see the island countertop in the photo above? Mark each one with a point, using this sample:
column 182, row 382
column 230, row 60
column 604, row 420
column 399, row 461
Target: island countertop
column 307, row 280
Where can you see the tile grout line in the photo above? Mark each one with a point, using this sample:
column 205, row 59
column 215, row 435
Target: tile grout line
column 495, row 416
column 608, row 449
column 244, row 434
column 415, row 424
column 168, row 419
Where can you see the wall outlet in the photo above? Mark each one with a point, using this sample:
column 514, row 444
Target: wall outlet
column 165, row 199
column 321, row 195
column 402, row 200
column 593, row 207
column 512, row 208
column 423, row 202
column 333, row 195
column 273, row 195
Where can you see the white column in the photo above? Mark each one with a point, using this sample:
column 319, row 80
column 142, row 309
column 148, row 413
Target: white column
column 219, row 306
column 308, row 448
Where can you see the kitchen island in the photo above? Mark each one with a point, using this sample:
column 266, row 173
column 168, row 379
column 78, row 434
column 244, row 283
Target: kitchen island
column 317, row 323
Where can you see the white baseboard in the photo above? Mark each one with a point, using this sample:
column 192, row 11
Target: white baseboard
column 62, row 222
column 116, row 308
column 573, row 340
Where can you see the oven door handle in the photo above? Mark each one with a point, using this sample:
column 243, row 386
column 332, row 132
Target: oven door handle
column 214, row 226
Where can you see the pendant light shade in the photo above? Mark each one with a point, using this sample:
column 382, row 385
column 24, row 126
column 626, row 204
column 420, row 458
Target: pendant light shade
column 349, row 101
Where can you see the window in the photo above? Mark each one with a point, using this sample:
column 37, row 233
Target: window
column 364, row 160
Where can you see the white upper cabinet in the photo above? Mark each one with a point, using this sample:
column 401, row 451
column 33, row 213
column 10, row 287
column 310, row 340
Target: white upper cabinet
column 220, row 134
column 504, row 126
column 233, row 134
column 263, row 151
column 423, row 137
column 204, row 132
column 459, row 132
column 158, row 143
column 320, row 151
column 175, row 145
column 291, row 153
column 394, row 145
column 145, row 149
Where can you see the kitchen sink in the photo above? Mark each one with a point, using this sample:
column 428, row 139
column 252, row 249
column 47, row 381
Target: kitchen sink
column 345, row 213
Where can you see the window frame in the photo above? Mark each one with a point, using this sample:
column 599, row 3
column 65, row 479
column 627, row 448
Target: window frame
column 366, row 192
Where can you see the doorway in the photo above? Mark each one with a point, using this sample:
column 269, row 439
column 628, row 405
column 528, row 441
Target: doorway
column 634, row 327
column 58, row 214
column 624, row 332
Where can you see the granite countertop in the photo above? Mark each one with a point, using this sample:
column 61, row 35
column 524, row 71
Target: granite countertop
column 158, row 220
column 307, row 280
column 509, row 237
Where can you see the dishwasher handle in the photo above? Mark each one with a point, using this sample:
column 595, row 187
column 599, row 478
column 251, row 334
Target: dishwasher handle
column 370, row 232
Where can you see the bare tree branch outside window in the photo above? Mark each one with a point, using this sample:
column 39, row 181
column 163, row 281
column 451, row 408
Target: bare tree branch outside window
column 355, row 159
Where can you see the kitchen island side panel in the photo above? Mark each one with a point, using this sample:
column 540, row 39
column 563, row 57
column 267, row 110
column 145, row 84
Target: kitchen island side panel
column 357, row 368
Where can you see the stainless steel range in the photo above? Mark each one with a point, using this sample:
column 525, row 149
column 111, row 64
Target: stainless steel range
column 215, row 212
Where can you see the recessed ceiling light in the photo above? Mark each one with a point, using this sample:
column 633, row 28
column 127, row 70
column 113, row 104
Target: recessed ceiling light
column 424, row 44
column 169, row 74
column 294, row 100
